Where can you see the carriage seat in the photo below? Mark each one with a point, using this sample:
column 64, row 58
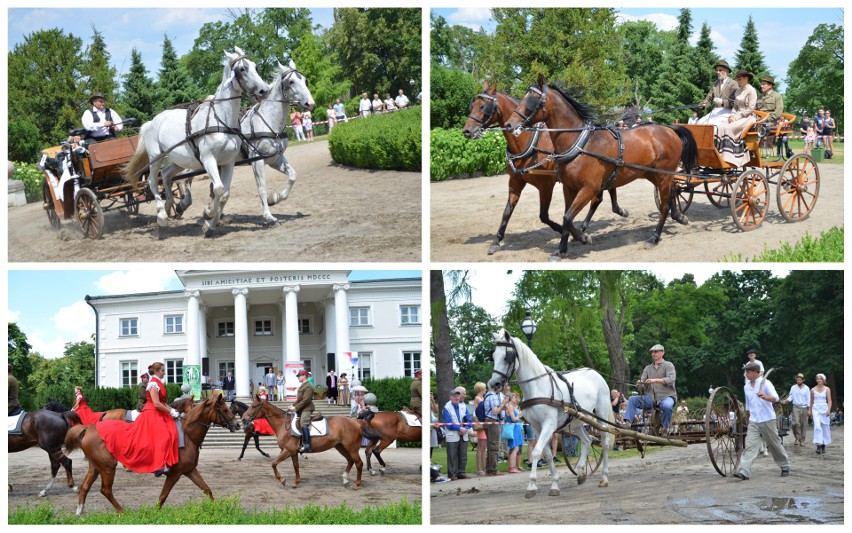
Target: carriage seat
column 106, row 158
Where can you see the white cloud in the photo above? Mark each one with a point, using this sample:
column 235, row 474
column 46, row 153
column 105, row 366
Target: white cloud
column 49, row 348
column 182, row 17
column 13, row 315
column 663, row 21
column 140, row 280
column 467, row 14
column 76, row 320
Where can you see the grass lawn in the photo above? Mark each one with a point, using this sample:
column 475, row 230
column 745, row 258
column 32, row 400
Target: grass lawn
column 798, row 146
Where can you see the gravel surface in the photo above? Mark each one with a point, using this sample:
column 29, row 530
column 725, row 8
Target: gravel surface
column 334, row 213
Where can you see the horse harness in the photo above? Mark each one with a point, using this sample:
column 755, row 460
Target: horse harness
column 253, row 112
column 490, row 109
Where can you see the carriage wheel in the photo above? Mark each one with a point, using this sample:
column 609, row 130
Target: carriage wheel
column 681, row 193
column 177, row 194
column 52, row 217
column 725, row 434
column 593, row 460
column 750, row 201
column 89, row 214
column 798, row 187
column 720, row 194
column 131, row 204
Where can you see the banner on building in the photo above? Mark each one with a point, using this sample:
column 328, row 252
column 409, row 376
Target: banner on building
column 192, row 376
column 290, row 380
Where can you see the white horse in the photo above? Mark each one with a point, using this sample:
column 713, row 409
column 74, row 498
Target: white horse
column 211, row 140
column 548, row 390
column 264, row 127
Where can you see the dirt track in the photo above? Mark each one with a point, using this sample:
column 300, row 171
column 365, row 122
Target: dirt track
column 466, row 213
column 334, row 213
column 252, row 478
column 672, row 486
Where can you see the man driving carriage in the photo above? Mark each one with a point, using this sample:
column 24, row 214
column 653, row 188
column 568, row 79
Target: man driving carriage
column 721, row 95
column 100, row 122
column 658, row 383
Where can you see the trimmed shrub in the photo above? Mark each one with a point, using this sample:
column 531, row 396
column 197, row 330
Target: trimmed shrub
column 455, row 156
column 100, row 398
column 24, row 141
column 391, row 395
column 382, row 142
column 451, row 93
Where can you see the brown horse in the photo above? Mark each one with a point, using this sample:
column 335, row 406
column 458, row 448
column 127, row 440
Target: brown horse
column 101, row 462
column 111, row 414
column 529, row 150
column 389, row 426
column 594, row 158
column 47, row 429
column 344, row 435
column 239, row 409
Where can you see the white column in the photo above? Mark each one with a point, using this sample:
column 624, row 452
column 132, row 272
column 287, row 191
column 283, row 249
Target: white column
column 192, row 309
column 241, row 353
column 330, row 331
column 202, row 333
column 292, row 353
column 341, row 324
column 283, row 330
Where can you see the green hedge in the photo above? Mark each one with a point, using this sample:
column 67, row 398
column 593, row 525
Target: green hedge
column 382, row 142
column 391, row 395
column 100, row 398
column 32, row 177
column 451, row 92
column 453, row 155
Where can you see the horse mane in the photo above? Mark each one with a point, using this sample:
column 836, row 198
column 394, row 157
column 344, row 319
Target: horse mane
column 55, row 406
column 586, row 112
column 243, row 407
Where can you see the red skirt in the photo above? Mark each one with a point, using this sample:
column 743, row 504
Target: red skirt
column 87, row 415
column 262, row 426
column 146, row 445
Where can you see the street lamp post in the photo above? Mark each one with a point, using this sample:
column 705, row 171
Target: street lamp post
column 528, row 326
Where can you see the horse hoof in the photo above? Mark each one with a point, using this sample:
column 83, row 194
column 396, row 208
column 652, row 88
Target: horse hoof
column 553, row 492
column 372, row 472
column 493, row 249
column 651, row 243
column 382, row 471
column 226, row 219
column 76, row 490
column 581, row 479
column 684, row 220
column 207, row 228
column 42, row 494
column 585, row 239
column 603, row 484
column 555, row 257
column 623, row 213
column 162, row 220
column 531, row 494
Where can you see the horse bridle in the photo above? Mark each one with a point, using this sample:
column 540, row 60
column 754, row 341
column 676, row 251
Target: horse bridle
column 511, row 357
column 539, row 99
column 489, row 109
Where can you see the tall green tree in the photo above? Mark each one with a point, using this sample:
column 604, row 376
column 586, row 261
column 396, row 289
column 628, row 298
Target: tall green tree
column 98, row 74
column 749, row 56
column 44, row 71
column 678, row 77
column 139, row 94
column 174, row 85
column 379, row 49
column 644, row 50
column 471, row 329
column 19, row 351
column 705, row 53
column 450, row 95
column 325, row 76
column 816, row 77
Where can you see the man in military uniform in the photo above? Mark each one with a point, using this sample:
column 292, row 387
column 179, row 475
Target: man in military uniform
column 142, row 392
column 14, row 405
column 770, row 100
column 304, row 408
column 417, row 393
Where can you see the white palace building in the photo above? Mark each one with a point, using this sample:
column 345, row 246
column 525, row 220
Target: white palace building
column 248, row 321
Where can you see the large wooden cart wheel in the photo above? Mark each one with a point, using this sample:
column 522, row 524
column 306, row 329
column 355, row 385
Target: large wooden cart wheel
column 720, row 192
column 798, row 187
column 89, row 213
column 131, row 203
column 724, row 427
column 52, row 217
column 177, row 195
column 750, row 200
column 593, row 460
column 681, row 193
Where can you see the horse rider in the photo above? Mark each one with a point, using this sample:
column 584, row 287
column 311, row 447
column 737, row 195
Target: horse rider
column 417, row 393
column 142, row 392
column 721, row 95
column 100, row 122
column 660, row 378
column 304, row 408
column 14, row 405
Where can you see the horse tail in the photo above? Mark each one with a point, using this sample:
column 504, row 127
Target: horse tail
column 72, row 418
column 132, row 171
column 74, row 438
column 689, row 151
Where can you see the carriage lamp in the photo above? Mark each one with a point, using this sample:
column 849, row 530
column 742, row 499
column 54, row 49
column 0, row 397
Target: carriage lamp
column 528, row 326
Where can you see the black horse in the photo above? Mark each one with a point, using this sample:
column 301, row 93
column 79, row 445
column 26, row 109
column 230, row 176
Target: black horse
column 239, row 409
column 46, row 429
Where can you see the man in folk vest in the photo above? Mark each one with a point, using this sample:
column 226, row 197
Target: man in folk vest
column 100, row 122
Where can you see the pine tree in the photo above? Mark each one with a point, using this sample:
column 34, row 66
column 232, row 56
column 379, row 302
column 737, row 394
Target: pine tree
column 173, row 84
column 98, row 74
column 749, row 57
column 139, row 91
column 706, row 56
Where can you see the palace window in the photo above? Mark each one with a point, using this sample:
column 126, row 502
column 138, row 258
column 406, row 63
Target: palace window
column 359, row 316
column 411, row 363
column 225, row 328
column 263, row 327
column 129, row 373
column 128, row 327
column 409, row 315
column 172, row 324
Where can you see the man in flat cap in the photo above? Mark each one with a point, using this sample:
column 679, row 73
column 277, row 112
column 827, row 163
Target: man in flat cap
column 656, row 388
column 101, row 123
column 800, row 397
column 760, row 395
column 458, row 420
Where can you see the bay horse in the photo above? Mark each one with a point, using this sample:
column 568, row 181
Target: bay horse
column 263, row 125
column 198, row 419
column 47, row 429
column 207, row 138
column 593, row 158
column 344, row 435
column 545, row 392
column 528, row 150
column 388, row 426
column 239, row 409
column 110, row 414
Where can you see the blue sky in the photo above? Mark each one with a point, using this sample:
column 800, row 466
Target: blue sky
column 126, row 28
column 49, row 305
column 781, row 32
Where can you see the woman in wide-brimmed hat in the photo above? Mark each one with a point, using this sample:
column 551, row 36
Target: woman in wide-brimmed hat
column 729, row 135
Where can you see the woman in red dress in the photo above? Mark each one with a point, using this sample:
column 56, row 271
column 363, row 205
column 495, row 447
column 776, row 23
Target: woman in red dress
column 82, row 408
column 150, row 444
column 261, row 425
